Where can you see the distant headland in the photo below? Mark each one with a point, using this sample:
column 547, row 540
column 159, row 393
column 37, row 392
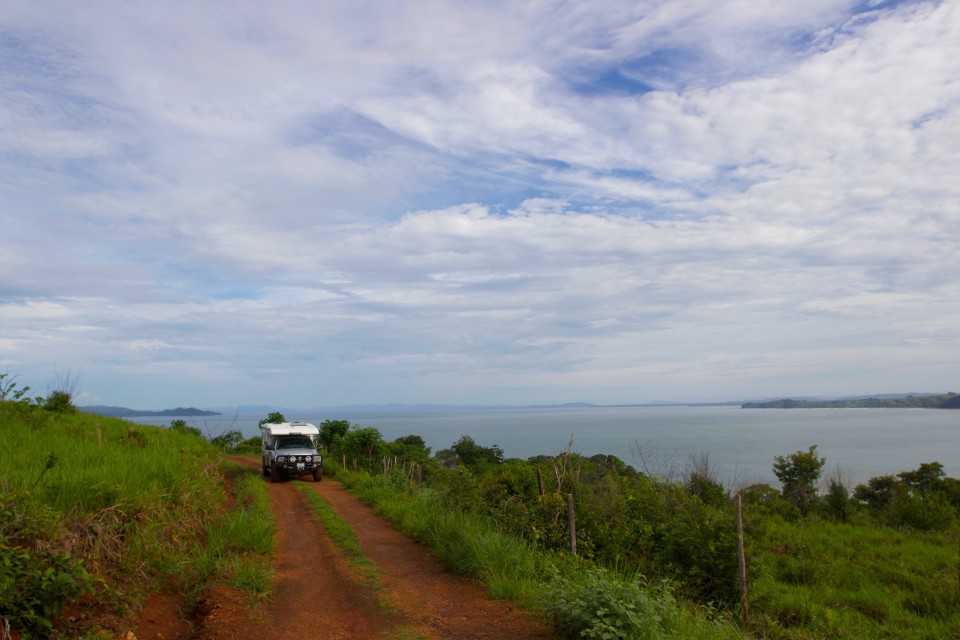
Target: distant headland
column 124, row 412
column 908, row 401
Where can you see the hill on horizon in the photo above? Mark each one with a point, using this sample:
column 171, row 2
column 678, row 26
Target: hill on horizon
column 124, row 412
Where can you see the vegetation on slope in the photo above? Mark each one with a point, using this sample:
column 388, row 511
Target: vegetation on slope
column 657, row 552
column 102, row 510
column 98, row 506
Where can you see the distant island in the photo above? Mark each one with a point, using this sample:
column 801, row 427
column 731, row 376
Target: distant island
column 910, row 401
column 124, row 412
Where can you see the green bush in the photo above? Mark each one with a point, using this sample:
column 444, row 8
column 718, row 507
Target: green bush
column 59, row 402
column 35, row 585
column 698, row 546
column 598, row 604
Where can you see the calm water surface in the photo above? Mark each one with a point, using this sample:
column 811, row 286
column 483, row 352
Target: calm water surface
column 740, row 443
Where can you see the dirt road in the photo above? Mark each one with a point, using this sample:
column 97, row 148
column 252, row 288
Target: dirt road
column 317, row 596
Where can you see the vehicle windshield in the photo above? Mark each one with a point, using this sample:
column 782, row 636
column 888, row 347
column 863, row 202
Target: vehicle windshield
column 298, row 442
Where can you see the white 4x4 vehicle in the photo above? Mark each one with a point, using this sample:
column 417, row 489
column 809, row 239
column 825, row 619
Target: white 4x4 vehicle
column 289, row 449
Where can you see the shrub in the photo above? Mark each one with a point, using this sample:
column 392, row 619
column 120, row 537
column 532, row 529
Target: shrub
column 35, row 585
column 597, row 604
column 837, row 503
column 180, row 426
column 698, row 545
column 59, row 402
column 933, row 513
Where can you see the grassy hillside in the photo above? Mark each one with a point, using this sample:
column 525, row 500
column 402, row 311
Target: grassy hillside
column 99, row 511
column 103, row 510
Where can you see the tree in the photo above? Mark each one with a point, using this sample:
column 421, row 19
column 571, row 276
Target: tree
column 837, row 501
column 924, row 480
column 274, row 418
column 180, row 425
column 8, row 389
column 364, row 443
column 228, row 441
column 922, row 499
column 410, row 448
column 467, row 452
column 331, row 434
column 799, row 474
column 878, row 493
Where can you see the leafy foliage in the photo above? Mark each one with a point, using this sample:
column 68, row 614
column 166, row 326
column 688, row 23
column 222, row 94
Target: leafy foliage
column 35, row 585
column 365, row 446
column 273, row 418
column 411, row 449
column 180, row 425
column 599, row 604
column 923, row 499
column 799, row 473
column 681, row 531
column 9, row 391
column 227, row 441
column 332, row 433
column 59, row 401
column 468, row 453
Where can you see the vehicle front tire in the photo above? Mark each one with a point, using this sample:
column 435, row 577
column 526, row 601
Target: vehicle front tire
column 317, row 475
column 275, row 474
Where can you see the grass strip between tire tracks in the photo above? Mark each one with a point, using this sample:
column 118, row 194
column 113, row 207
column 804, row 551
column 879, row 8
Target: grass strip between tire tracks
column 342, row 536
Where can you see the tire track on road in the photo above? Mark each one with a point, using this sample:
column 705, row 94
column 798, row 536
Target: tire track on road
column 446, row 606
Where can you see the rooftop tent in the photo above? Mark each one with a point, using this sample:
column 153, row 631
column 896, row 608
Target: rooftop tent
column 290, row 429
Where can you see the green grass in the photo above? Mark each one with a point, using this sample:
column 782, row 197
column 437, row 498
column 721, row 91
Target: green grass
column 342, row 536
column 125, row 501
column 239, row 547
column 474, row 547
column 465, row 544
column 810, row 578
column 829, row 580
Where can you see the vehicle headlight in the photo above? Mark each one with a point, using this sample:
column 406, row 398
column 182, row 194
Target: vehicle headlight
column 281, row 458
column 317, row 459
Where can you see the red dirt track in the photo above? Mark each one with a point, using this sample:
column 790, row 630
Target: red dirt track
column 317, row 596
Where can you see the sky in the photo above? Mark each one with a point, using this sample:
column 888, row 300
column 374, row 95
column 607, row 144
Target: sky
column 307, row 204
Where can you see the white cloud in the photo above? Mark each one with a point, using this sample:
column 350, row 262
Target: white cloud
column 420, row 202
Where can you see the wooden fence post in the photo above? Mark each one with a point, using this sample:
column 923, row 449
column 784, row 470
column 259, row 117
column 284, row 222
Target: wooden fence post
column 540, row 481
column 744, row 600
column 572, row 522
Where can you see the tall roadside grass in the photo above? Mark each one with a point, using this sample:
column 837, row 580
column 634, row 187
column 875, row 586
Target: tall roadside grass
column 238, row 548
column 580, row 599
column 826, row 579
column 465, row 544
column 128, row 504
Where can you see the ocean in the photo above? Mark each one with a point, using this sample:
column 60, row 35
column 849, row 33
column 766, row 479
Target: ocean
column 740, row 443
